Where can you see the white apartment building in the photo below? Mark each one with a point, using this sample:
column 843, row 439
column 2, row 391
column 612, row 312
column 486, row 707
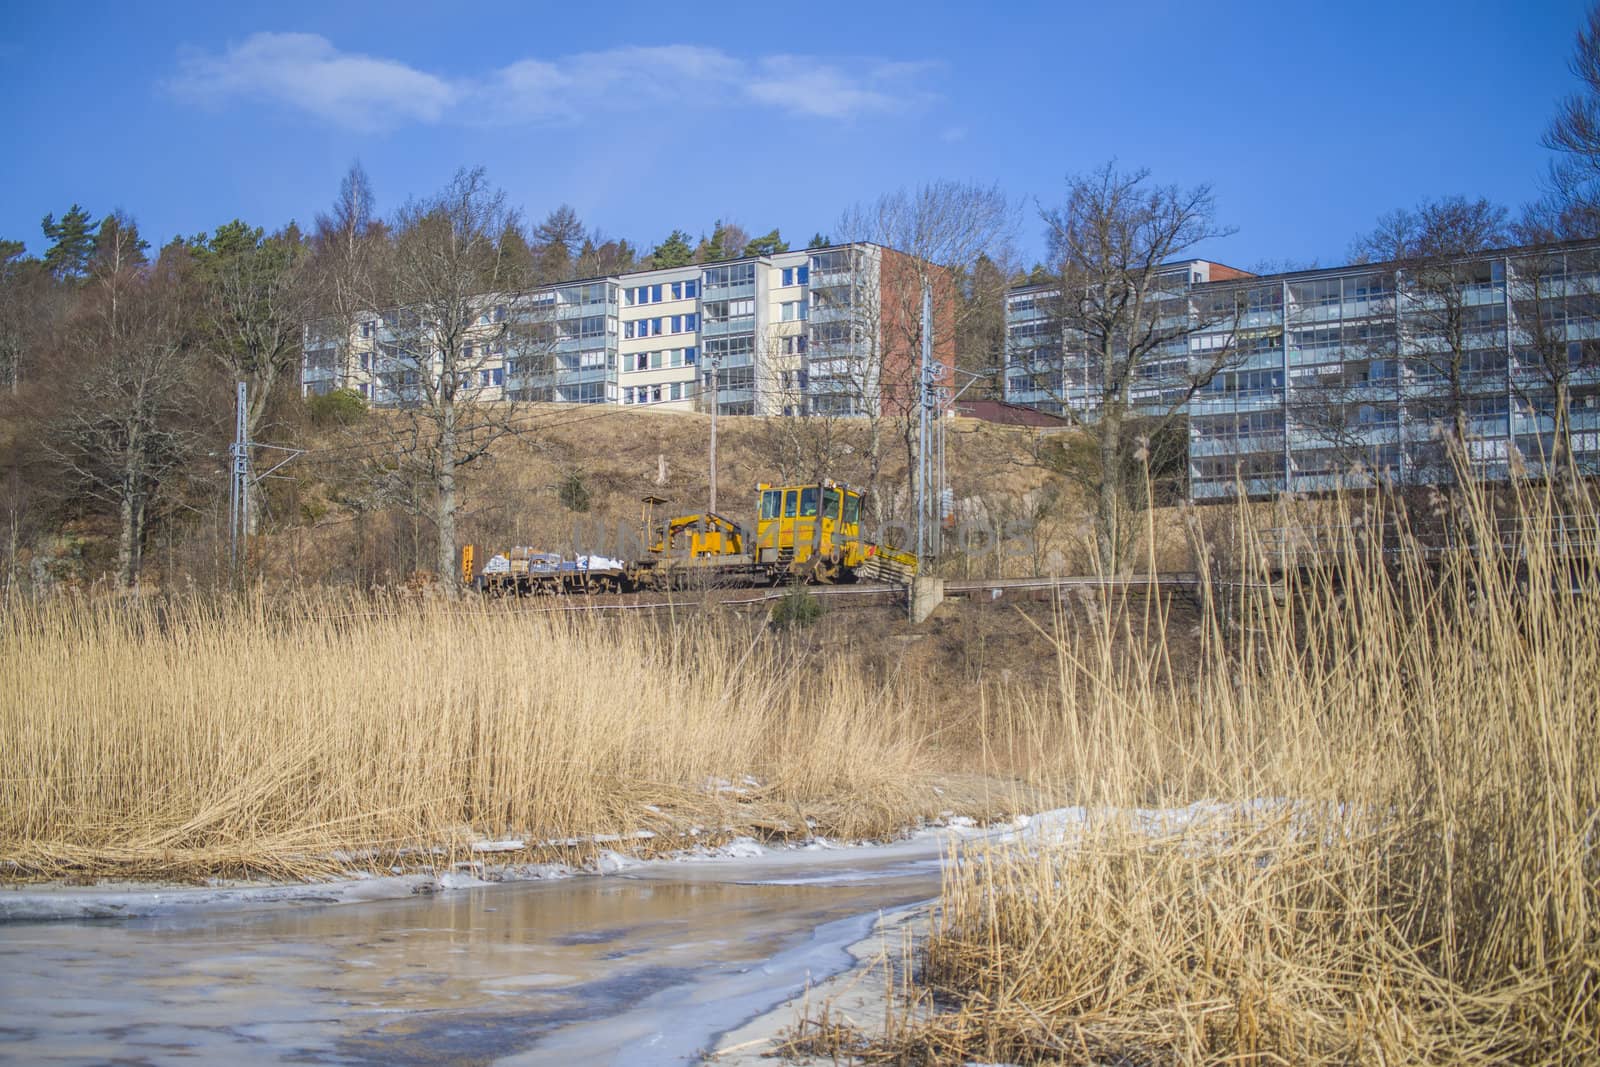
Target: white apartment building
column 654, row 338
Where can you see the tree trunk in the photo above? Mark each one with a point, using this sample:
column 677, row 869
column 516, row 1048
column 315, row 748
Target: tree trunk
column 129, row 512
column 1563, row 428
column 445, row 483
column 128, row 537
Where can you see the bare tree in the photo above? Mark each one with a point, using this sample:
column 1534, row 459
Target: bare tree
column 868, row 358
column 29, row 302
column 802, row 444
column 601, row 255
column 1116, row 305
column 1452, row 341
column 126, row 425
column 556, row 246
column 1552, row 290
column 455, row 319
column 344, row 248
column 1575, row 133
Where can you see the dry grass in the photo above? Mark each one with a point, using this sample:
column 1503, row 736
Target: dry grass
column 1395, row 855
column 173, row 740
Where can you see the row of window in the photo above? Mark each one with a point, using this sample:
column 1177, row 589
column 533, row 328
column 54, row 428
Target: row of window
column 725, row 310
column 657, row 394
column 732, row 275
column 666, row 324
column 655, row 294
column 796, row 275
column 668, row 357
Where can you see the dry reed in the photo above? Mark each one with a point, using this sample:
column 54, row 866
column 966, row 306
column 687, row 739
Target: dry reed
column 1393, row 857
column 257, row 736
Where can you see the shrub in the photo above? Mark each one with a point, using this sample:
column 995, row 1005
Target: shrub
column 338, row 408
column 797, row 608
column 573, row 493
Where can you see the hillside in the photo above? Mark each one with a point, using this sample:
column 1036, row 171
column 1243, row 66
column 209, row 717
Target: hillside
column 573, row 472
column 570, row 478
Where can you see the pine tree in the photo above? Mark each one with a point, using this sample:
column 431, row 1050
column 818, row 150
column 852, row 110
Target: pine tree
column 673, row 252
column 72, row 243
column 819, row 241
column 766, row 245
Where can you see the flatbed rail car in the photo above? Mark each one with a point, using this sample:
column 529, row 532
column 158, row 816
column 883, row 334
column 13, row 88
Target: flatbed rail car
column 808, row 533
column 525, row 572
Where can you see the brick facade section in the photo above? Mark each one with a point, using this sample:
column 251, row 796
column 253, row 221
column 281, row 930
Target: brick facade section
column 900, row 289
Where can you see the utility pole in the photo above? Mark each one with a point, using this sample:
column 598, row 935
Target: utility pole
column 242, row 480
column 239, row 483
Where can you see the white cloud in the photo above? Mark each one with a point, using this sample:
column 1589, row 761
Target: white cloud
column 307, row 72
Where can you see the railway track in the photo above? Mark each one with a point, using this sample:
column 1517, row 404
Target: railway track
column 977, row 590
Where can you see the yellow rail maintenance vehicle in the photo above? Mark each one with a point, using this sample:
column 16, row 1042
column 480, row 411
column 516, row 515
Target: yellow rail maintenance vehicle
column 814, row 532
column 808, row 533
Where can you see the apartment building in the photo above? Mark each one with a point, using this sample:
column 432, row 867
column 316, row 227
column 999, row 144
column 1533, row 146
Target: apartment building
column 1355, row 375
column 1045, row 370
column 799, row 332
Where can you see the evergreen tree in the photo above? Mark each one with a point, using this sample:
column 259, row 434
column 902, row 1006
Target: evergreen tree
column 766, row 245
column 118, row 239
column 819, row 241
column 728, row 241
column 72, row 243
column 709, row 250
column 673, row 252
column 514, row 247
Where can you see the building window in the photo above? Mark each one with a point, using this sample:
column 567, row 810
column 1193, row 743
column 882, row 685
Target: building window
column 730, row 276
column 792, row 311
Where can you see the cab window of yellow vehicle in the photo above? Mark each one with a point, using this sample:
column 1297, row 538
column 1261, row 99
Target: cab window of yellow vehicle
column 852, row 509
column 789, row 500
column 808, row 502
column 769, row 503
column 830, row 504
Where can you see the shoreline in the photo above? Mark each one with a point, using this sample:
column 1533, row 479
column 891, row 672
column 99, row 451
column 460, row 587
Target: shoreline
column 859, row 995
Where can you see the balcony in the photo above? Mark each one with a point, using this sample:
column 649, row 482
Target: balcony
column 831, row 312
column 727, row 292
column 1241, row 445
column 725, row 327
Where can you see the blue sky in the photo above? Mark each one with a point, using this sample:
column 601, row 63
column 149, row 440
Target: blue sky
column 1308, row 119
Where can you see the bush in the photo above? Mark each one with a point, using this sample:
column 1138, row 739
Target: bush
column 338, row 408
column 797, row 608
column 573, row 493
